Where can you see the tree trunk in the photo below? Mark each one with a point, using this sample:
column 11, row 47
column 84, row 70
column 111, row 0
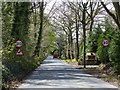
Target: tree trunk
column 84, row 33
column 77, row 42
column 38, row 45
column 71, row 45
column 117, row 9
column 35, row 24
column 91, row 16
column 68, row 51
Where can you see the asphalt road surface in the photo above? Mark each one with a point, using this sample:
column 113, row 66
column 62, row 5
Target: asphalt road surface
column 54, row 73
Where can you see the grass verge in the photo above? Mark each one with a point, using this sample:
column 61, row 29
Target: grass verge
column 102, row 72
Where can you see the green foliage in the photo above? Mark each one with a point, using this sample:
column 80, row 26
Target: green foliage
column 48, row 38
column 114, row 52
column 16, row 27
column 39, row 59
column 81, row 50
column 72, row 61
column 18, row 69
column 102, row 52
column 7, row 75
column 7, row 18
column 60, row 43
column 92, row 40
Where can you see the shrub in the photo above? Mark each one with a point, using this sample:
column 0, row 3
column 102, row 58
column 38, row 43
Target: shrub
column 18, row 69
column 92, row 39
column 114, row 52
column 102, row 52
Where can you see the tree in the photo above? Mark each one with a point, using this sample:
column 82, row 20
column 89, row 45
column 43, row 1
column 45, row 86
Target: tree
column 15, row 27
column 38, row 45
column 21, row 17
column 102, row 52
column 85, row 14
column 93, row 39
column 64, row 22
column 114, row 47
column 48, row 39
column 116, row 16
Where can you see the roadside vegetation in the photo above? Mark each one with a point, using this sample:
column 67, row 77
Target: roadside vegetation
column 83, row 32
column 69, row 30
column 22, row 21
column 71, row 62
column 100, row 73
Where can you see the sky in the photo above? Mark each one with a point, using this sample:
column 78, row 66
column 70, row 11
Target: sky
column 51, row 2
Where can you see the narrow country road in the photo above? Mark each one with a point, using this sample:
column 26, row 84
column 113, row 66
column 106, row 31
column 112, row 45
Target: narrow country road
column 54, row 73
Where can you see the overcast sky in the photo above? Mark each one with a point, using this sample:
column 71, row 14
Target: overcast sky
column 51, row 2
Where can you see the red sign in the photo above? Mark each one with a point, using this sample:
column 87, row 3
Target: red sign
column 19, row 43
column 19, row 52
column 105, row 43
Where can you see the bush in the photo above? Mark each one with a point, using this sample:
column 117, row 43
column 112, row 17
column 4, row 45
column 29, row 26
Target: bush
column 102, row 52
column 111, row 53
column 92, row 39
column 17, row 70
column 114, row 52
column 7, row 77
